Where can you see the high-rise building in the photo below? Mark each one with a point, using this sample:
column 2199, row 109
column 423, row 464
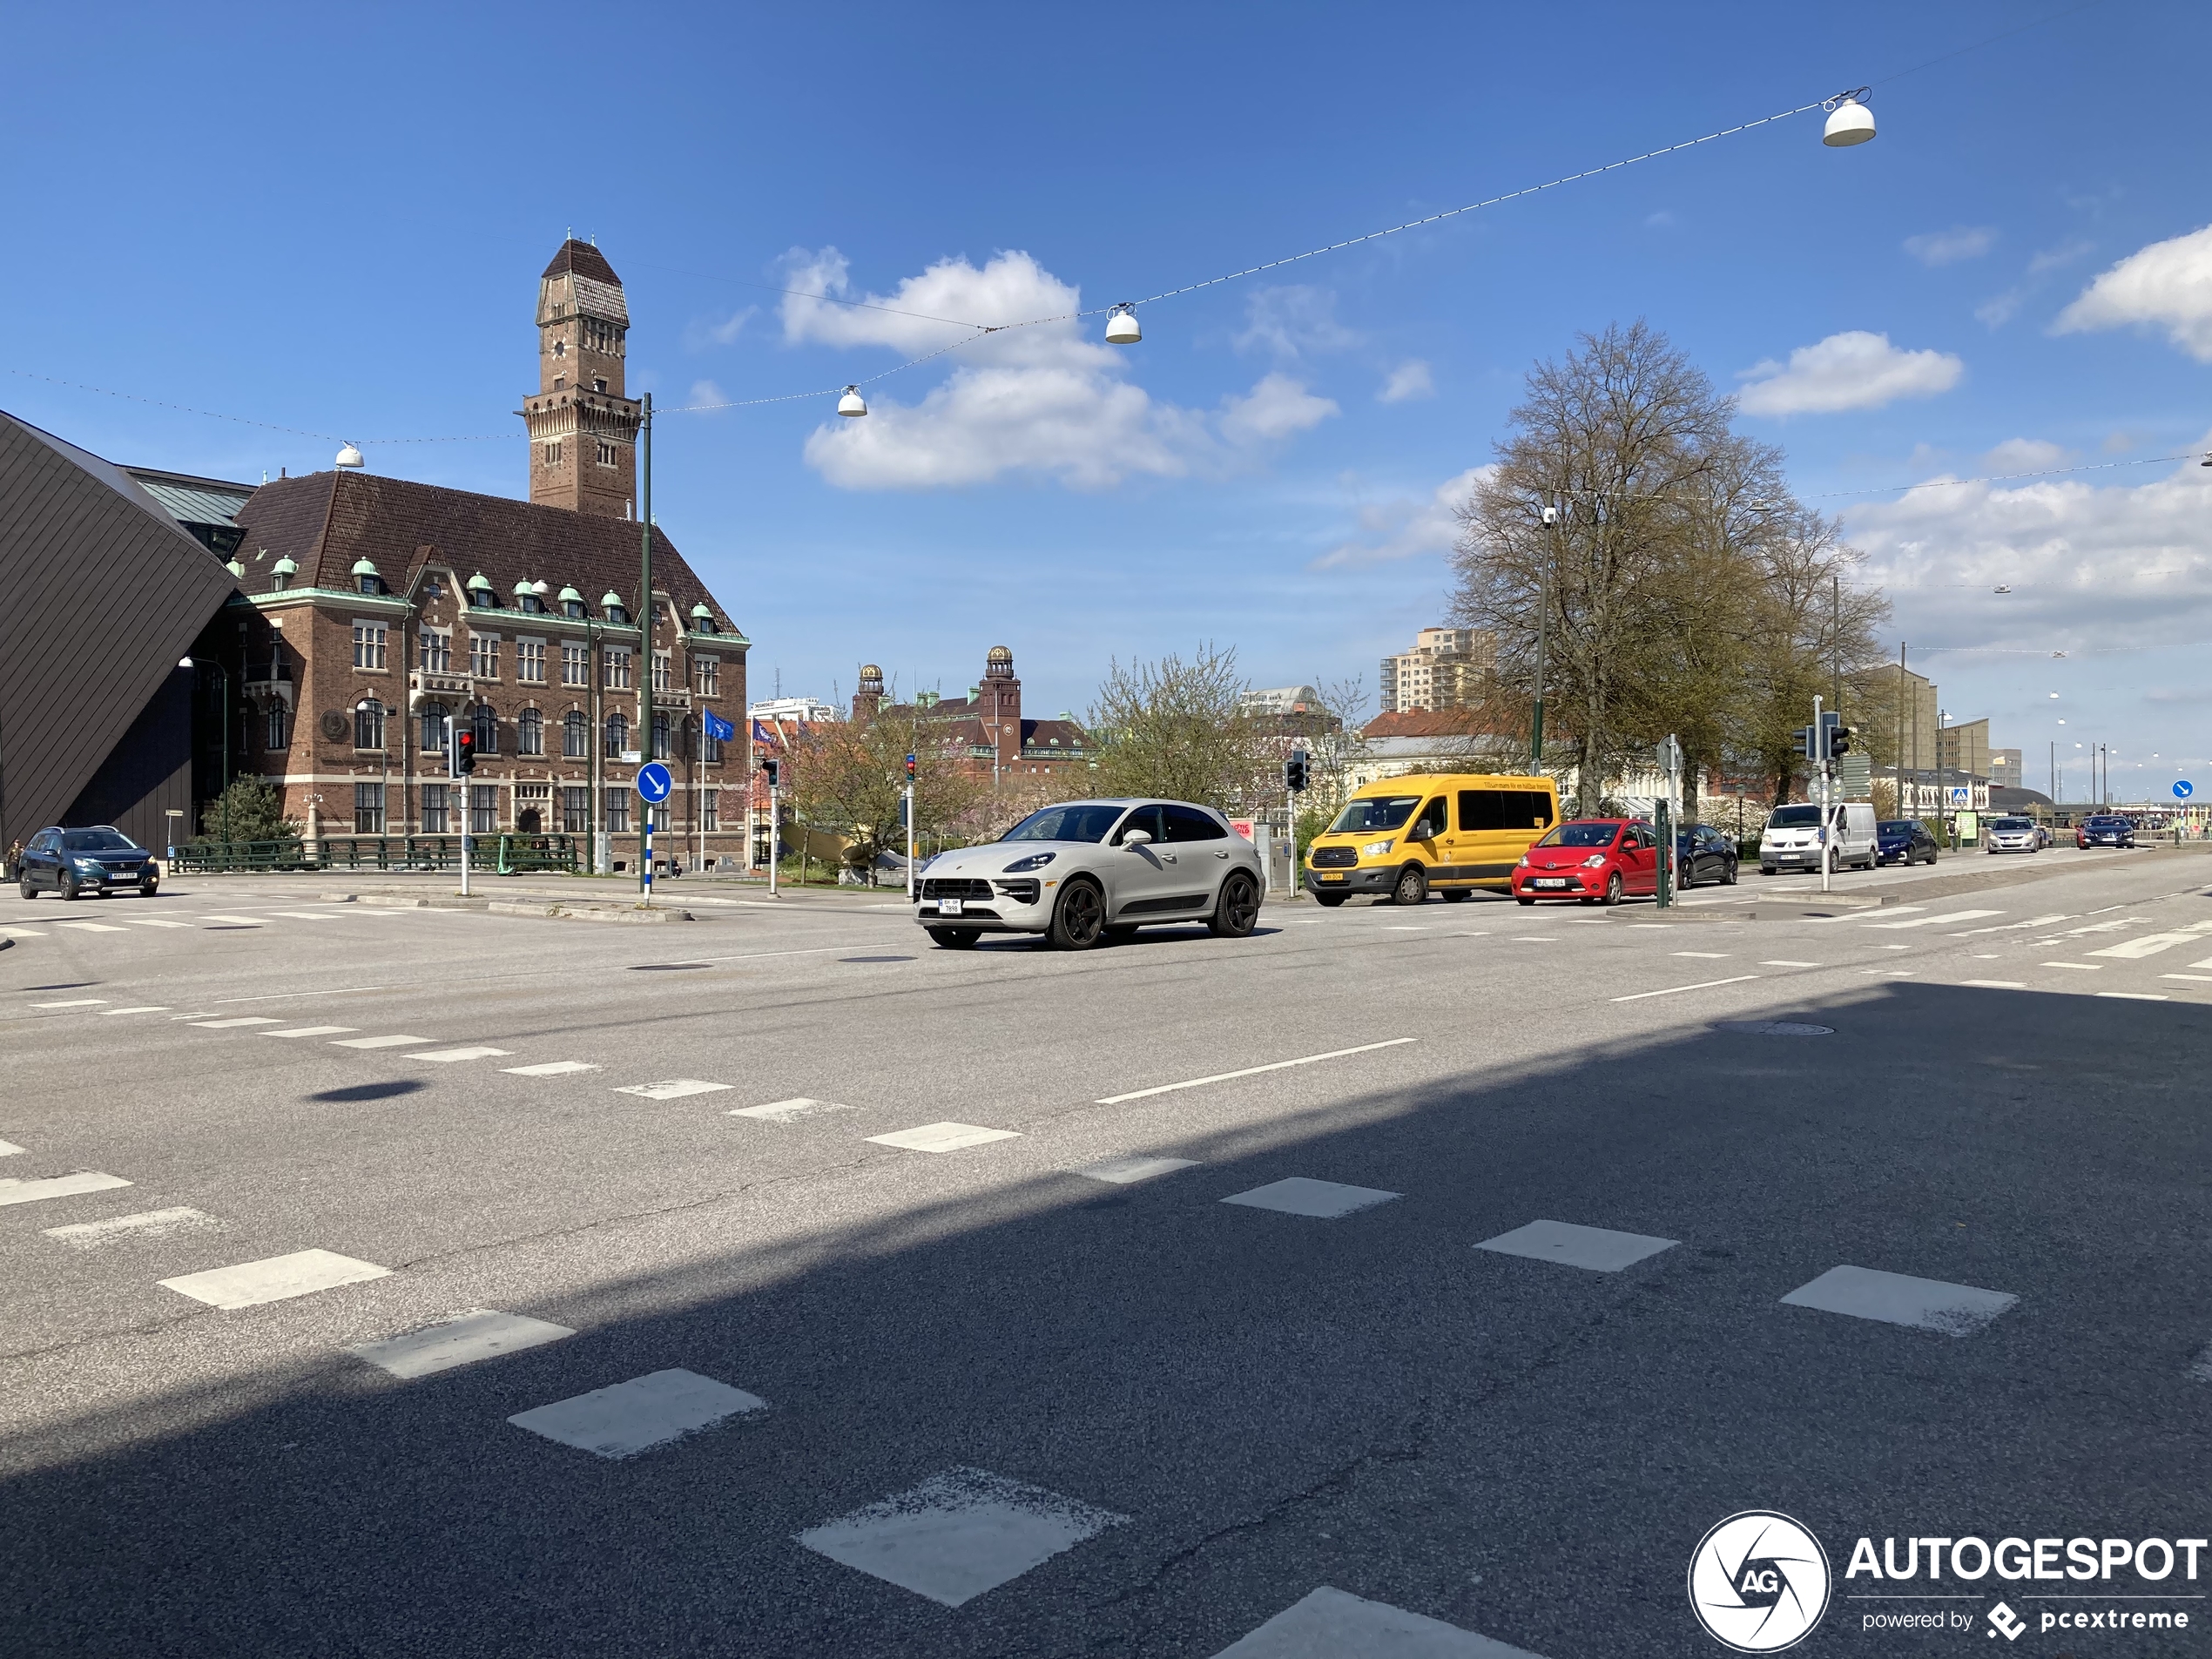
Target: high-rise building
column 1908, row 713
column 1964, row 750
column 582, row 426
column 2005, row 769
column 1447, row 668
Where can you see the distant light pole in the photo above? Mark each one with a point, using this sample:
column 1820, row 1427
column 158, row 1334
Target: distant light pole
column 369, row 704
column 1553, row 516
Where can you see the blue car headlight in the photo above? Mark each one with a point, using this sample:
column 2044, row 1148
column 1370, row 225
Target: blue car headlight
column 1035, row 862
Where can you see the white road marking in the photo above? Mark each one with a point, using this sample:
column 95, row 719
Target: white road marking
column 92, row 927
column 1252, row 1071
column 788, row 1111
column 150, row 1007
column 1708, row 955
column 628, row 1418
column 381, row 1043
column 1938, row 922
column 311, row 1031
column 2207, row 962
column 1851, row 915
column 234, row 1022
column 1330, row 1621
column 1407, row 927
column 475, row 1052
column 2201, row 979
column 1599, row 1249
column 2149, row 945
column 1300, row 1195
column 958, row 1533
column 1996, row 984
column 20, row 932
column 2137, row 996
column 674, row 1089
column 235, row 921
column 303, row 916
column 1781, row 962
column 286, row 996
column 1892, row 948
column 550, row 1069
column 942, row 1137
column 479, row 1333
column 2016, row 927
column 155, row 922
column 1533, row 939
column 1899, row 1299
column 78, row 1002
column 2114, row 926
column 9, row 1149
column 1124, row 1172
column 59, row 1186
column 1671, row 990
column 276, row 1279
column 2079, row 968
column 151, row 1224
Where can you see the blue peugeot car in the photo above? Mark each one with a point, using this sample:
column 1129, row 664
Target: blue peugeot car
column 1903, row 841
column 102, row 859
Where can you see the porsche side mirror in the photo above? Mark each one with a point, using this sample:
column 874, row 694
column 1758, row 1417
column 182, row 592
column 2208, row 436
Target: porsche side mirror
column 1137, row 838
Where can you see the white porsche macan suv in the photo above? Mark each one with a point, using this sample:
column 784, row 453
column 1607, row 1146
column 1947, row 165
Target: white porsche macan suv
column 1085, row 871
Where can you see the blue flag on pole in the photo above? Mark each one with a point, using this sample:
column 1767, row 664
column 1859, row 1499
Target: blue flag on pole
column 717, row 728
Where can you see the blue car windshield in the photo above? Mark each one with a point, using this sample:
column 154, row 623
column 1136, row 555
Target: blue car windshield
column 1087, row 820
column 1897, row 827
column 97, row 841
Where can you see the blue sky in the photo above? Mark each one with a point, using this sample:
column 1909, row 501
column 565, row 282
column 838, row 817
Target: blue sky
column 335, row 222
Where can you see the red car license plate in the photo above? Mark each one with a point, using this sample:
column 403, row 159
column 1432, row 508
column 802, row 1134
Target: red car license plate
column 1549, row 881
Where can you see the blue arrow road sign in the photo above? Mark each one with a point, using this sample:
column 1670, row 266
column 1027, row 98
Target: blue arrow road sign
column 653, row 782
column 2182, row 790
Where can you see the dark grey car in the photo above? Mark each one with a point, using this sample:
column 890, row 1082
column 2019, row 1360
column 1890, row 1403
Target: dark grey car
column 102, row 859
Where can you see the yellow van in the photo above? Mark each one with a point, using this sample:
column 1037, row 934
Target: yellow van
column 1449, row 832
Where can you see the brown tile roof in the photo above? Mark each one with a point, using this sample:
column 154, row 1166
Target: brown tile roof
column 327, row 521
column 584, row 260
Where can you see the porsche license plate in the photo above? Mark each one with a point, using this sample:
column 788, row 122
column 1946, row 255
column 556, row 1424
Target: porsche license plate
column 949, row 906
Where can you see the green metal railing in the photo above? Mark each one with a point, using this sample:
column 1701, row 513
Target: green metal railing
column 500, row 854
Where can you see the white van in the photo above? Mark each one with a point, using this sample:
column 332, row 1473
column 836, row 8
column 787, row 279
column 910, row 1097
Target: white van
column 1794, row 838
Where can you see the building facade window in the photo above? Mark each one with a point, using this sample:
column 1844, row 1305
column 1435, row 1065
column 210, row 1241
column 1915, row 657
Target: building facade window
column 368, row 725
column 663, row 669
column 617, row 663
column 533, row 806
column 368, row 809
column 606, row 454
column 710, row 673
column 618, row 736
column 437, row 651
column 433, row 809
column 368, row 642
column 575, row 736
column 657, row 812
column 530, row 661
column 484, row 723
column 711, row 810
column 433, row 728
column 709, row 747
column 483, row 655
column 483, row 809
column 279, row 727
column 576, row 809
column 660, row 738
column 552, row 452
column 617, row 812
column 576, row 665
column 530, row 732
column 372, row 585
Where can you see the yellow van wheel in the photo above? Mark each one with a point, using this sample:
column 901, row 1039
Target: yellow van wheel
column 1412, row 887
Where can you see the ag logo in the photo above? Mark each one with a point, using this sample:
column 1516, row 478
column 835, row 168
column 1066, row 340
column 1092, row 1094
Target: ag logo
column 1758, row 1582
column 333, row 726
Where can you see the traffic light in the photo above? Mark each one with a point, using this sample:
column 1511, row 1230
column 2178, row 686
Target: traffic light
column 1808, row 742
column 1294, row 773
column 464, row 753
column 1839, row 740
column 910, row 768
column 768, row 767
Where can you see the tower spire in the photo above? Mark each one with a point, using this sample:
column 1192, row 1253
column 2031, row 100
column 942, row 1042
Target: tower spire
column 582, row 423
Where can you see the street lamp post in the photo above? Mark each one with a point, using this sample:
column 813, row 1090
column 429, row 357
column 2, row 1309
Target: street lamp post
column 368, row 704
column 645, row 620
column 1551, row 517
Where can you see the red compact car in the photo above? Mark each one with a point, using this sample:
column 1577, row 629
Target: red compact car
column 1595, row 860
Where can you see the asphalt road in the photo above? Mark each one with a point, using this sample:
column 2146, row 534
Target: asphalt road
column 973, row 1401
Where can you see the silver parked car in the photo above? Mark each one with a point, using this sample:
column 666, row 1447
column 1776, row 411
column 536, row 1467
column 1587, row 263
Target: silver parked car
column 2013, row 835
column 1084, row 871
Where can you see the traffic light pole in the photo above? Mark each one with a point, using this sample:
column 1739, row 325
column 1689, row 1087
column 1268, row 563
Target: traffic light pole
column 458, row 781
column 645, row 620
column 1827, row 830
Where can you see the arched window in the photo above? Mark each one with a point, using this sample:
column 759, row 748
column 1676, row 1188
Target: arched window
column 660, row 738
column 529, row 734
column 575, row 736
column 485, row 722
column 279, row 733
column 435, row 716
column 368, row 725
column 618, row 736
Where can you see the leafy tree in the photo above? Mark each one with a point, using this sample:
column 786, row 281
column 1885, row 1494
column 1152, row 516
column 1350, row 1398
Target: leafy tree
column 847, row 777
column 1180, row 730
column 252, row 809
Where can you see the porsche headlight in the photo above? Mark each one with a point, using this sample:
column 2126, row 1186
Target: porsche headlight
column 1035, row 862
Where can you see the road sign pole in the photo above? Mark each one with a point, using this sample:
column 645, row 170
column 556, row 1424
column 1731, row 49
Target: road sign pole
column 459, row 784
column 910, row 843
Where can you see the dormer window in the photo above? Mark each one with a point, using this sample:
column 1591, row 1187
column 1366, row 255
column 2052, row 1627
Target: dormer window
column 532, row 604
column 574, row 608
column 483, row 599
column 618, row 614
column 363, row 572
column 372, row 585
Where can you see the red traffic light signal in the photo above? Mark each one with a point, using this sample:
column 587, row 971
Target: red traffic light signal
column 464, row 753
column 910, row 765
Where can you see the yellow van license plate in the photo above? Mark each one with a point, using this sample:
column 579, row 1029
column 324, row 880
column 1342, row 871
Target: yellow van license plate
column 1332, row 878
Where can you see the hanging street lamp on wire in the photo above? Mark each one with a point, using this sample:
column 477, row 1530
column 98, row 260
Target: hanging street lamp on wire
column 1849, row 119
column 1120, row 326
column 850, row 402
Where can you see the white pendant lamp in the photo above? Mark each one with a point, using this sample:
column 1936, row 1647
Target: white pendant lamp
column 851, row 403
column 1121, row 326
column 350, row 457
column 1849, row 119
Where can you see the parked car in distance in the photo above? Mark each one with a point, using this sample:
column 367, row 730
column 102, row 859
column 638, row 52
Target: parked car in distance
column 2105, row 829
column 1400, row 838
column 1595, row 860
column 1795, row 838
column 1081, row 872
column 101, row 859
column 1903, row 840
column 2012, row 835
column 1703, row 853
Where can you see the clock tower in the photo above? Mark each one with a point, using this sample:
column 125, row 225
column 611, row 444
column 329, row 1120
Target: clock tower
column 582, row 426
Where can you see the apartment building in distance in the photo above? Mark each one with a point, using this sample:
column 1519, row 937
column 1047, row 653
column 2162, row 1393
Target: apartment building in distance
column 1447, row 668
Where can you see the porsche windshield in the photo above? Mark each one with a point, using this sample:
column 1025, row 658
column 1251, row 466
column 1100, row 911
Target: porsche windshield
column 1374, row 813
column 1086, row 821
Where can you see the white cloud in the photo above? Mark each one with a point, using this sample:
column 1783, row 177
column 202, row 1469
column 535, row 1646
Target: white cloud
column 1856, row 370
column 1948, row 247
column 2000, row 308
column 2051, row 259
column 697, row 336
column 1410, row 380
column 2087, row 564
column 1049, row 400
column 1293, row 321
column 706, row 392
column 2169, row 284
column 2024, row 454
column 1405, row 527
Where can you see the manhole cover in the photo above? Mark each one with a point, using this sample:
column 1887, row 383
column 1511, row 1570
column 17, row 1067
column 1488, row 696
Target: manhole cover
column 1779, row 1029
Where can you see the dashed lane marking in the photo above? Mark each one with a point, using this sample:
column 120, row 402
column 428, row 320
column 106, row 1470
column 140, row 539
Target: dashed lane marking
column 631, row 1417
column 1937, row 920
column 550, row 1069
column 1672, row 990
column 1899, row 1299
column 2201, row 979
column 464, row 1339
column 476, row 1051
column 1300, row 1195
column 1707, row 955
column 1781, row 962
column 235, row 921
column 1601, row 1250
column 2017, row 927
column 788, row 1111
column 59, row 1186
column 75, row 1002
column 942, row 1137
column 1996, row 984
column 155, row 922
column 234, row 1022
column 382, row 1043
column 2149, row 945
column 1330, row 1620
column 674, row 1089
column 150, row 1007
column 2079, row 968
column 1252, row 1071
column 275, row 1279
column 9, row 1149
column 150, row 1224
column 2136, row 996
column 20, row 932
column 291, row 996
column 92, row 927
column 311, row 1031
column 1124, row 1172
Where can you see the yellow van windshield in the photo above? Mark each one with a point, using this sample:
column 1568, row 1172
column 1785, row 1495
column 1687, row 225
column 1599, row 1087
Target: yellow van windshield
column 1374, row 813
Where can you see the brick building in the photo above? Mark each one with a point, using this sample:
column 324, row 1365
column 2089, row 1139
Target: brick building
column 383, row 609
column 987, row 726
